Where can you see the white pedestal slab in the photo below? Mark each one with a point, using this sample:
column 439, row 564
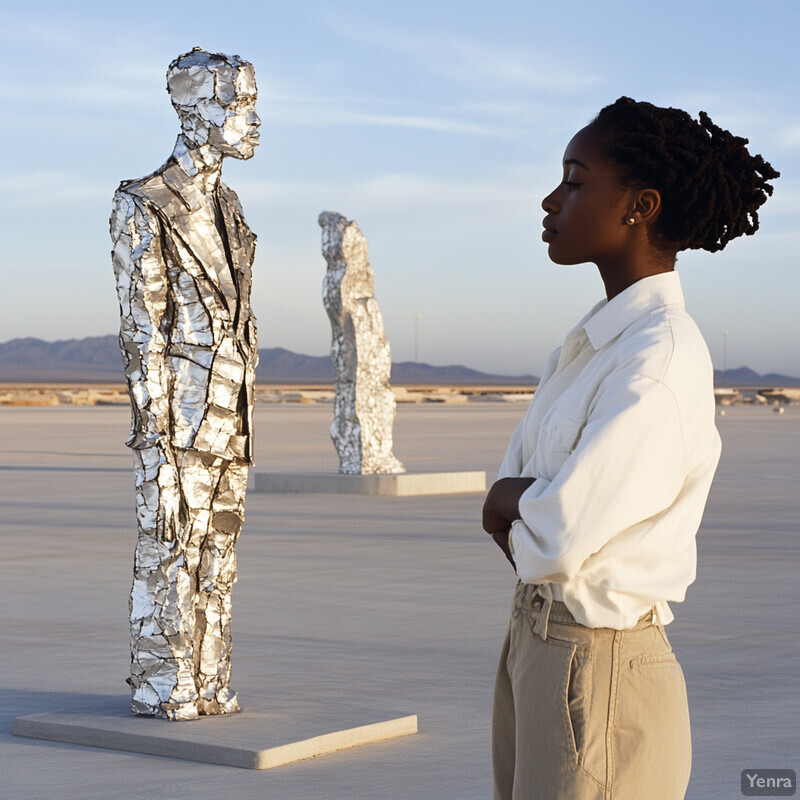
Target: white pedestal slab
column 405, row 484
column 250, row 739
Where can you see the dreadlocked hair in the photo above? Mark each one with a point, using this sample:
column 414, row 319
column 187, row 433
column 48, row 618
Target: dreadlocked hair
column 710, row 185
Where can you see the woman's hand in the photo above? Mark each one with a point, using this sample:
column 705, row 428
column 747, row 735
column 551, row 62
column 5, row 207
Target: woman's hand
column 501, row 540
column 501, row 508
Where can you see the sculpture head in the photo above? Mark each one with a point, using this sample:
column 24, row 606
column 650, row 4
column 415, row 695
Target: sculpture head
column 333, row 227
column 215, row 97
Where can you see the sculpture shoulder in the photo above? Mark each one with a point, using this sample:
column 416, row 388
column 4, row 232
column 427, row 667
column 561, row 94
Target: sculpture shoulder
column 149, row 189
column 137, row 204
column 132, row 200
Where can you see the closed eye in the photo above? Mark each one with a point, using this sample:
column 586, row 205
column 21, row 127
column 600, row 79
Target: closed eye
column 572, row 185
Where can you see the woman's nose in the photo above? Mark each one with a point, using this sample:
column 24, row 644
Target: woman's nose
column 549, row 203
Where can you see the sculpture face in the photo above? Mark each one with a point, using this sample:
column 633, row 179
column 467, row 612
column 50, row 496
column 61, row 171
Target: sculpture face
column 238, row 134
column 216, row 103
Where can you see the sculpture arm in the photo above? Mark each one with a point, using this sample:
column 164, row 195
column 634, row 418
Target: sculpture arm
column 142, row 290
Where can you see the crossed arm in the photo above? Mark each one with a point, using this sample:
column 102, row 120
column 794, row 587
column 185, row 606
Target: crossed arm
column 501, row 508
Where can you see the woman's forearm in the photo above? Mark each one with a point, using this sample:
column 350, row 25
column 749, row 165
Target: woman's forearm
column 501, row 506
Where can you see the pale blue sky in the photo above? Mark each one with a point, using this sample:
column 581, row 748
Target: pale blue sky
column 437, row 126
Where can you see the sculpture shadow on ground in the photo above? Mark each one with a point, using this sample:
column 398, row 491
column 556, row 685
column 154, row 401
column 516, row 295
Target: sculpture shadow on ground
column 21, row 702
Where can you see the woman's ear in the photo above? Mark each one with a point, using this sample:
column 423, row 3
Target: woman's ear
column 646, row 207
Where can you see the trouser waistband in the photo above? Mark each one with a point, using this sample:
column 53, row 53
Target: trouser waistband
column 539, row 599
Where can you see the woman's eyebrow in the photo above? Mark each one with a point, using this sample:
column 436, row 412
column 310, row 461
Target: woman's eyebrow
column 575, row 161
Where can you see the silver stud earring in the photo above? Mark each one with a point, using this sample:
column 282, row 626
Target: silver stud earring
column 631, row 221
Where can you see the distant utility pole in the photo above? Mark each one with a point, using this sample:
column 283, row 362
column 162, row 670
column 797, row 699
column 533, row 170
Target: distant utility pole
column 416, row 348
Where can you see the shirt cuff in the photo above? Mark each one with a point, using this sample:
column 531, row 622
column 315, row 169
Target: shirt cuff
column 516, row 526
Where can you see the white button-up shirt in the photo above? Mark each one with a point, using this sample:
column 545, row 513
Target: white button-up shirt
column 621, row 441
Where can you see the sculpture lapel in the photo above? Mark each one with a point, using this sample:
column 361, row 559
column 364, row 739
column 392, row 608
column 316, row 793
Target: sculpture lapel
column 241, row 239
column 191, row 217
column 242, row 242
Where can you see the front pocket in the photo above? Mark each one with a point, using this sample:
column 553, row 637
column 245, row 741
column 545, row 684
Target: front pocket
column 579, row 694
column 575, row 691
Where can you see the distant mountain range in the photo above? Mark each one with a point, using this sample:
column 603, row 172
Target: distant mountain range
column 96, row 359
column 744, row 376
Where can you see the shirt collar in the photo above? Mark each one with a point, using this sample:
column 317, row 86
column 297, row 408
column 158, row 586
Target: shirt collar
column 609, row 318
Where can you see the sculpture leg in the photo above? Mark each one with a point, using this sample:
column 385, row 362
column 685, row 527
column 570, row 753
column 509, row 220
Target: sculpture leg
column 190, row 507
column 216, row 575
column 162, row 597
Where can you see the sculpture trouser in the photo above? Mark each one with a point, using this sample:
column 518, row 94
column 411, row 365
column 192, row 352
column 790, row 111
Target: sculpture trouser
column 190, row 507
column 587, row 713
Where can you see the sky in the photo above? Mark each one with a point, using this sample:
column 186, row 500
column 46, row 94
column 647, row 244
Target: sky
column 437, row 126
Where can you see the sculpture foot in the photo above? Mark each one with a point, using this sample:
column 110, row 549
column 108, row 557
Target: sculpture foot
column 225, row 701
column 168, row 711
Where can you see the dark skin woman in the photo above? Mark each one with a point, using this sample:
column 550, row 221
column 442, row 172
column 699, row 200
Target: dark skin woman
column 589, row 220
column 604, row 484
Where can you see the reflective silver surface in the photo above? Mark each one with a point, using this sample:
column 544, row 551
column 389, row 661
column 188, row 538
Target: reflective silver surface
column 364, row 407
column 182, row 255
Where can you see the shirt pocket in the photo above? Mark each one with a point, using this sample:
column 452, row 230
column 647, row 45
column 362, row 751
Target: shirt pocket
column 558, row 438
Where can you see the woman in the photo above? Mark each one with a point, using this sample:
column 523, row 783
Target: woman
column 603, row 487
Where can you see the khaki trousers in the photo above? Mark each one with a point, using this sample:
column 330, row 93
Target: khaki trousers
column 587, row 713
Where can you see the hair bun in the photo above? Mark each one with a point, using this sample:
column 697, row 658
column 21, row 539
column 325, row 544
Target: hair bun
column 711, row 186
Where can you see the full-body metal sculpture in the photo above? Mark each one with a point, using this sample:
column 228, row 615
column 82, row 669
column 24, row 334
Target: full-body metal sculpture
column 364, row 407
column 182, row 257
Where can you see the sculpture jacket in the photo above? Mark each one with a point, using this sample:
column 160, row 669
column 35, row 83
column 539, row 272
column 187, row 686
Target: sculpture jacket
column 183, row 262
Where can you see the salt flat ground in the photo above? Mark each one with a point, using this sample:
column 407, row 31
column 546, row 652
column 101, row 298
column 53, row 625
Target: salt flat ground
column 395, row 603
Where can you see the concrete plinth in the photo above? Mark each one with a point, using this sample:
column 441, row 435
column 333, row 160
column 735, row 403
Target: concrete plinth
column 252, row 740
column 405, row 484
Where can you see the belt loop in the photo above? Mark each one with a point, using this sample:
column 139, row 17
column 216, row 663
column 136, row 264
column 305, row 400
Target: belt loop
column 540, row 626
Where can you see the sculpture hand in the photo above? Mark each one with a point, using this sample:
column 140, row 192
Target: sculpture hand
column 145, row 431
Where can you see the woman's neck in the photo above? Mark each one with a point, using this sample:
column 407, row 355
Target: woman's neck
column 641, row 262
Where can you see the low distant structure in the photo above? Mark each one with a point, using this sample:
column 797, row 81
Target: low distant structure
column 728, row 396
column 784, row 396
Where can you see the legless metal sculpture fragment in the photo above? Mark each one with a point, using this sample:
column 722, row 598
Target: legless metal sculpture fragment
column 182, row 256
column 364, row 407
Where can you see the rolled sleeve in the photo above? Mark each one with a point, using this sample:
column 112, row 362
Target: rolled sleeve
column 627, row 466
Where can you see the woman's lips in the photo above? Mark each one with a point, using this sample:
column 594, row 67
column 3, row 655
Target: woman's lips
column 548, row 234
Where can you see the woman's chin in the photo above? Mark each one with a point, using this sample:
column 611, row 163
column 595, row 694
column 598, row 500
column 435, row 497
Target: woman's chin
column 564, row 259
column 559, row 259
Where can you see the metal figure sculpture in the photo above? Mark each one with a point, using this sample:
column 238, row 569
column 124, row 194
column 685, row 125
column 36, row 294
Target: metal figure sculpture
column 182, row 255
column 364, row 407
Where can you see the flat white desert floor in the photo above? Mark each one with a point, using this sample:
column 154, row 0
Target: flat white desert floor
column 391, row 603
